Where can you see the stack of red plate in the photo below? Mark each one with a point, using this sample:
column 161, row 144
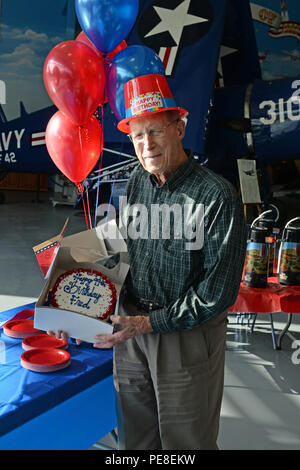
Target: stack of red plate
column 45, row 359
column 44, row 341
column 20, row 328
column 43, row 353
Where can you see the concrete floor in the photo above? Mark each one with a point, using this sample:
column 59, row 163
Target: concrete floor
column 261, row 405
column 25, row 224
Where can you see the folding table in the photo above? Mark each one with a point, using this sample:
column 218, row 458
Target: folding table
column 271, row 299
column 70, row 409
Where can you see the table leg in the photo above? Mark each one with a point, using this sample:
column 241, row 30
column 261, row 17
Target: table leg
column 273, row 332
column 114, row 437
column 289, row 321
column 272, row 328
column 101, row 446
column 253, row 322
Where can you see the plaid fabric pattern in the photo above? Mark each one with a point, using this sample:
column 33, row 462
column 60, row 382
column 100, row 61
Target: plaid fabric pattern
column 192, row 285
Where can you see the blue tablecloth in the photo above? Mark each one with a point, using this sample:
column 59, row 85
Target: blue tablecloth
column 25, row 394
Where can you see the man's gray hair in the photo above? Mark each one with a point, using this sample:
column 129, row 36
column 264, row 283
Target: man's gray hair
column 172, row 114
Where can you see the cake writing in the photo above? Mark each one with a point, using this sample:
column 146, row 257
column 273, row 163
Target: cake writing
column 83, row 286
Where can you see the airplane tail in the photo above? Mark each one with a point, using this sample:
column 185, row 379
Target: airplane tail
column 23, row 111
column 240, row 65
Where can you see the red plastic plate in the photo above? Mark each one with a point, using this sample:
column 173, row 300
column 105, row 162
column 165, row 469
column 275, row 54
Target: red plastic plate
column 27, row 313
column 45, row 360
column 20, row 328
column 44, row 341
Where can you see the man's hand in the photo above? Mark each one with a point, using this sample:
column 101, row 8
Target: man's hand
column 62, row 335
column 130, row 326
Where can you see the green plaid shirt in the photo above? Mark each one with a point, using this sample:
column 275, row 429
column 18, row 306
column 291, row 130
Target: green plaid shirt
column 192, row 285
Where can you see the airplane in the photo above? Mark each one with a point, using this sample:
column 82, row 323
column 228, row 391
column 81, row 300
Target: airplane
column 292, row 56
column 263, row 57
column 23, row 146
column 24, row 137
column 199, row 43
column 284, row 10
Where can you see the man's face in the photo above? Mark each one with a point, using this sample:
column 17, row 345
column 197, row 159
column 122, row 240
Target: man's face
column 158, row 154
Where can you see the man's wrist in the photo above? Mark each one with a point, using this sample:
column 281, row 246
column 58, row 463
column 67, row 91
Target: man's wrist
column 158, row 321
column 146, row 325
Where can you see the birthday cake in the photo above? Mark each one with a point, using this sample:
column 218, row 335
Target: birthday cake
column 84, row 291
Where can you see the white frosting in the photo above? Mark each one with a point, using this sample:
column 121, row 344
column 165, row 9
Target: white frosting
column 84, row 292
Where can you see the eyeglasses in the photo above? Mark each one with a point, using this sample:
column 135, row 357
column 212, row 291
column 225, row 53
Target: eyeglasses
column 156, row 132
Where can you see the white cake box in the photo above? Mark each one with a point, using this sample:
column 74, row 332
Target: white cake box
column 88, row 249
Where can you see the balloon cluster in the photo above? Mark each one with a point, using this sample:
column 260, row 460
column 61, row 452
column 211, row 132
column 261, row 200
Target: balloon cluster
column 81, row 75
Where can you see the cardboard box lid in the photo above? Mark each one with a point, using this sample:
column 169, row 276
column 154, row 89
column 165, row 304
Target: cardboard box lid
column 96, row 244
column 89, row 246
column 46, row 252
column 84, row 249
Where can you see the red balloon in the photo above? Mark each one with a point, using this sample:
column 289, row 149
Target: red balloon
column 75, row 80
column 74, row 149
column 82, row 37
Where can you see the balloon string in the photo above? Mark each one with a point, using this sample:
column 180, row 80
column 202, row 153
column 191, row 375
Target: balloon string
column 80, row 190
column 100, row 165
column 80, row 186
column 86, row 220
column 88, row 204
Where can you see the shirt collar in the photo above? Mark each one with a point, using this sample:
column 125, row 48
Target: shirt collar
column 179, row 176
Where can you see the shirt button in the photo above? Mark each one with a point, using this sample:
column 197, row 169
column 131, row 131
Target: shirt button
column 147, row 253
column 140, row 278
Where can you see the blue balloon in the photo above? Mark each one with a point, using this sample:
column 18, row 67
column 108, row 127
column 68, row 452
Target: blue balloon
column 106, row 22
column 132, row 62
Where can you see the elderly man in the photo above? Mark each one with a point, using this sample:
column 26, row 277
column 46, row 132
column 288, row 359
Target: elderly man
column 169, row 344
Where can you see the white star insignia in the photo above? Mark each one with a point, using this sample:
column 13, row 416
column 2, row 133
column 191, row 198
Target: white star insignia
column 174, row 21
